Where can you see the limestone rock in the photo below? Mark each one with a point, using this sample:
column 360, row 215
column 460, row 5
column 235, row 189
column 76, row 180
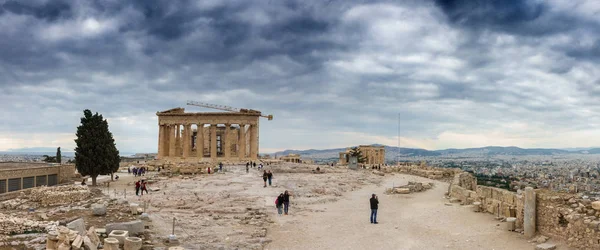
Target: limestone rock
column 596, row 205
column 541, row 239
column 99, row 209
column 545, row 246
column 77, row 225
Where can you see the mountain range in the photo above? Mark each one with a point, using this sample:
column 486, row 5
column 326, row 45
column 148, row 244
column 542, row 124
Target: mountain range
column 392, row 152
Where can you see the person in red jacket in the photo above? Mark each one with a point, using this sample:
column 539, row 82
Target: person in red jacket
column 144, row 187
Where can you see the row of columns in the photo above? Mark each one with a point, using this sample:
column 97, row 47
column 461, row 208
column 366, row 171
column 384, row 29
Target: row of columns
column 171, row 136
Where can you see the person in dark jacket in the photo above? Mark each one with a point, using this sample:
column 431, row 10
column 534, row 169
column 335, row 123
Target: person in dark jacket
column 269, row 176
column 374, row 207
column 265, row 177
column 286, row 202
column 279, row 204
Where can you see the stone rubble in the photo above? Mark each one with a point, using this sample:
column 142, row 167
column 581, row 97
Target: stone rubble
column 411, row 187
column 59, row 195
column 16, row 225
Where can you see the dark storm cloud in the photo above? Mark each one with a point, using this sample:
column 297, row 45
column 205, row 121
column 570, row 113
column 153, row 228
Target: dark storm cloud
column 49, row 11
column 529, row 18
column 320, row 67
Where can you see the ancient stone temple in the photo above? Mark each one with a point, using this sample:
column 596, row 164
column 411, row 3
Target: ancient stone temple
column 208, row 136
column 373, row 155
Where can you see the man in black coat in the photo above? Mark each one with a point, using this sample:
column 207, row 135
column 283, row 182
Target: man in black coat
column 374, row 207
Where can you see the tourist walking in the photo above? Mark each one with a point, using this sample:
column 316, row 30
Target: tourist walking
column 137, row 188
column 374, row 207
column 279, row 204
column 134, row 171
column 254, row 164
column 246, row 167
column 220, row 167
column 286, row 202
column 265, row 176
column 269, row 177
column 144, row 187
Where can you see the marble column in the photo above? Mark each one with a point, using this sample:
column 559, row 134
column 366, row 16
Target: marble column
column 160, row 142
column 253, row 142
column 172, row 138
column 242, row 142
column 224, row 143
column 186, row 139
column 165, row 140
column 529, row 213
column 178, row 140
column 200, row 141
column 213, row 141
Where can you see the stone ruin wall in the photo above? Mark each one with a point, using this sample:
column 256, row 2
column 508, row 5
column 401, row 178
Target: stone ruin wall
column 566, row 217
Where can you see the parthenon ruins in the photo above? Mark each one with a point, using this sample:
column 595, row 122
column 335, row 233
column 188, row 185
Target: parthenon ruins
column 208, row 136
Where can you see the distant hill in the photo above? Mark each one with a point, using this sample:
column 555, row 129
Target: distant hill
column 36, row 149
column 391, row 152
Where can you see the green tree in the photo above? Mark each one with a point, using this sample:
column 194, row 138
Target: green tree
column 58, row 156
column 355, row 151
column 48, row 158
column 95, row 151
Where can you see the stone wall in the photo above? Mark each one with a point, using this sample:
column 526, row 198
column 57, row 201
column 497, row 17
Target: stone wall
column 424, row 171
column 496, row 201
column 567, row 217
column 29, row 175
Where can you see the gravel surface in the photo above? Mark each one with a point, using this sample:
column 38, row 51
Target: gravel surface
column 412, row 221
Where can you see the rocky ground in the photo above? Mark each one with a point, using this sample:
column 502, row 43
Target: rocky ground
column 232, row 209
column 39, row 206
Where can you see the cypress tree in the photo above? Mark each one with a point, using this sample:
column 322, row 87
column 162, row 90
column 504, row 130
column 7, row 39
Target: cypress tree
column 95, row 152
column 58, row 156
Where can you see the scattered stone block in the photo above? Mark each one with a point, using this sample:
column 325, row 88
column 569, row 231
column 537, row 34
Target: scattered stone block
column 135, row 227
column 77, row 225
column 77, row 242
column 545, row 246
column 89, row 244
column 120, row 235
column 111, row 244
column 99, row 209
column 596, row 205
column 541, row 239
column 132, row 243
column 510, row 223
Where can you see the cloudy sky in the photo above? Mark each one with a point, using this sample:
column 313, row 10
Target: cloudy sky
column 333, row 73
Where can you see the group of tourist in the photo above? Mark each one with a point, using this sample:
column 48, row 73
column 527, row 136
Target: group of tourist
column 140, row 185
column 137, row 171
column 283, row 201
column 267, row 175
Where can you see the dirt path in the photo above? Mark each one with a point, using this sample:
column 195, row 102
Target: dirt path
column 415, row 221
